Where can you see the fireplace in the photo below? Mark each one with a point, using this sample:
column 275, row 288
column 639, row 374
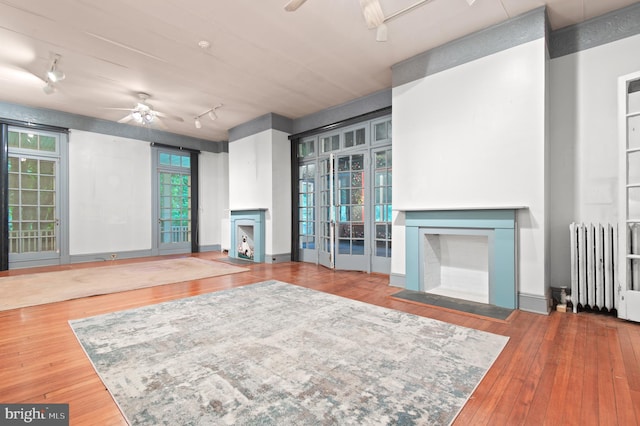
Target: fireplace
column 455, row 262
column 247, row 235
column 468, row 254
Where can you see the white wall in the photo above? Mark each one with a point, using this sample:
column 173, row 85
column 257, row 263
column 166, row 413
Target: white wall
column 260, row 177
column 250, row 172
column 281, row 190
column 214, row 196
column 109, row 194
column 474, row 136
column 584, row 146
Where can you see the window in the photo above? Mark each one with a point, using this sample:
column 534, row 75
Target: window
column 355, row 138
column 382, row 131
column 330, row 143
column 306, row 148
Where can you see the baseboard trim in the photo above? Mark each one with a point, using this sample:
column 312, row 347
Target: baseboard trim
column 277, row 258
column 94, row 257
column 397, row 280
column 212, row 247
column 533, row 303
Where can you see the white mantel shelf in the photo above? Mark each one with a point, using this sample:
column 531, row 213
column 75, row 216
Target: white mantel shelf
column 450, row 209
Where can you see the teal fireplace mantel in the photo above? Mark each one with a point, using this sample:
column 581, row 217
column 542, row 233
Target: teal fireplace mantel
column 501, row 224
column 255, row 220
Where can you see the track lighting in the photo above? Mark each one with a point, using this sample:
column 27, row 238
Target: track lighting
column 375, row 19
column 49, row 88
column 211, row 112
column 381, row 32
column 54, row 74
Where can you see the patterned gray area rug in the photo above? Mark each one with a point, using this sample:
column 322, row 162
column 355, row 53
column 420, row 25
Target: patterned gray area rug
column 277, row 354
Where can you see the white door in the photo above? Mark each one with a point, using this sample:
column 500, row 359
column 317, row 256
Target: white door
column 628, row 288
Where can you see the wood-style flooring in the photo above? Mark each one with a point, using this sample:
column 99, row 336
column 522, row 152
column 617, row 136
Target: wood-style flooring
column 561, row 369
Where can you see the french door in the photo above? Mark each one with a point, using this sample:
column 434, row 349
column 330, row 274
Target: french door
column 34, row 197
column 628, row 290
column 354, row 211
column 173, row 230
column 352, row 240
column 344, row 197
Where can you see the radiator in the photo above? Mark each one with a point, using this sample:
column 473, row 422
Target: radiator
column 593, row 266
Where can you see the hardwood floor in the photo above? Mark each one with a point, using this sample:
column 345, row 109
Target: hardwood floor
column 558, row 369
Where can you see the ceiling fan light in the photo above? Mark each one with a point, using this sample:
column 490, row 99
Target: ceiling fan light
column 381, row 33
column 197, row 123
column 136, row 116
column 148, row 117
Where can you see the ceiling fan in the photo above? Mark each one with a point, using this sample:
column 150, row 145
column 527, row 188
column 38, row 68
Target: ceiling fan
column 144, row 114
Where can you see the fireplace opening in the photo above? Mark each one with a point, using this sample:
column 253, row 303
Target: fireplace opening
column 246, row 244
column 248, row 235
column 456, row 266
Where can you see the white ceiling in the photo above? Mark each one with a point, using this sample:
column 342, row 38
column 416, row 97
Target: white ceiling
column 261, row 58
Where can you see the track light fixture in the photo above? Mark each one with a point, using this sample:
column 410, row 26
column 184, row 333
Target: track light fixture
column 375, row 18
column 54, row 75
column 211, row 112
column 381, row 32
column 49, row 88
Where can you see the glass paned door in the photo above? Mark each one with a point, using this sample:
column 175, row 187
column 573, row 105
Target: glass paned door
column 32, row 206
column 382, row 213
column 174, row 202
column 344, row 197
column 352, row 248
column 306, row 212
column 326, row 252
column 175, row 208
column 34, row 197
column 628, row 293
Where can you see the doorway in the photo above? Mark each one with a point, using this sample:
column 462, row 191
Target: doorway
column 35, row 210
column 173, row 231
column 344, row 197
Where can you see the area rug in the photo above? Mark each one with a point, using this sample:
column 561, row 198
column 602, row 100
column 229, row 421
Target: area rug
column 19, row 291
column 273, row 353
column 482, row 309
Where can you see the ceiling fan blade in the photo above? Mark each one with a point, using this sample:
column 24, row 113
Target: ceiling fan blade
column 172, row 117
column 293, row 5
column 372, row 12
column 125, row 119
